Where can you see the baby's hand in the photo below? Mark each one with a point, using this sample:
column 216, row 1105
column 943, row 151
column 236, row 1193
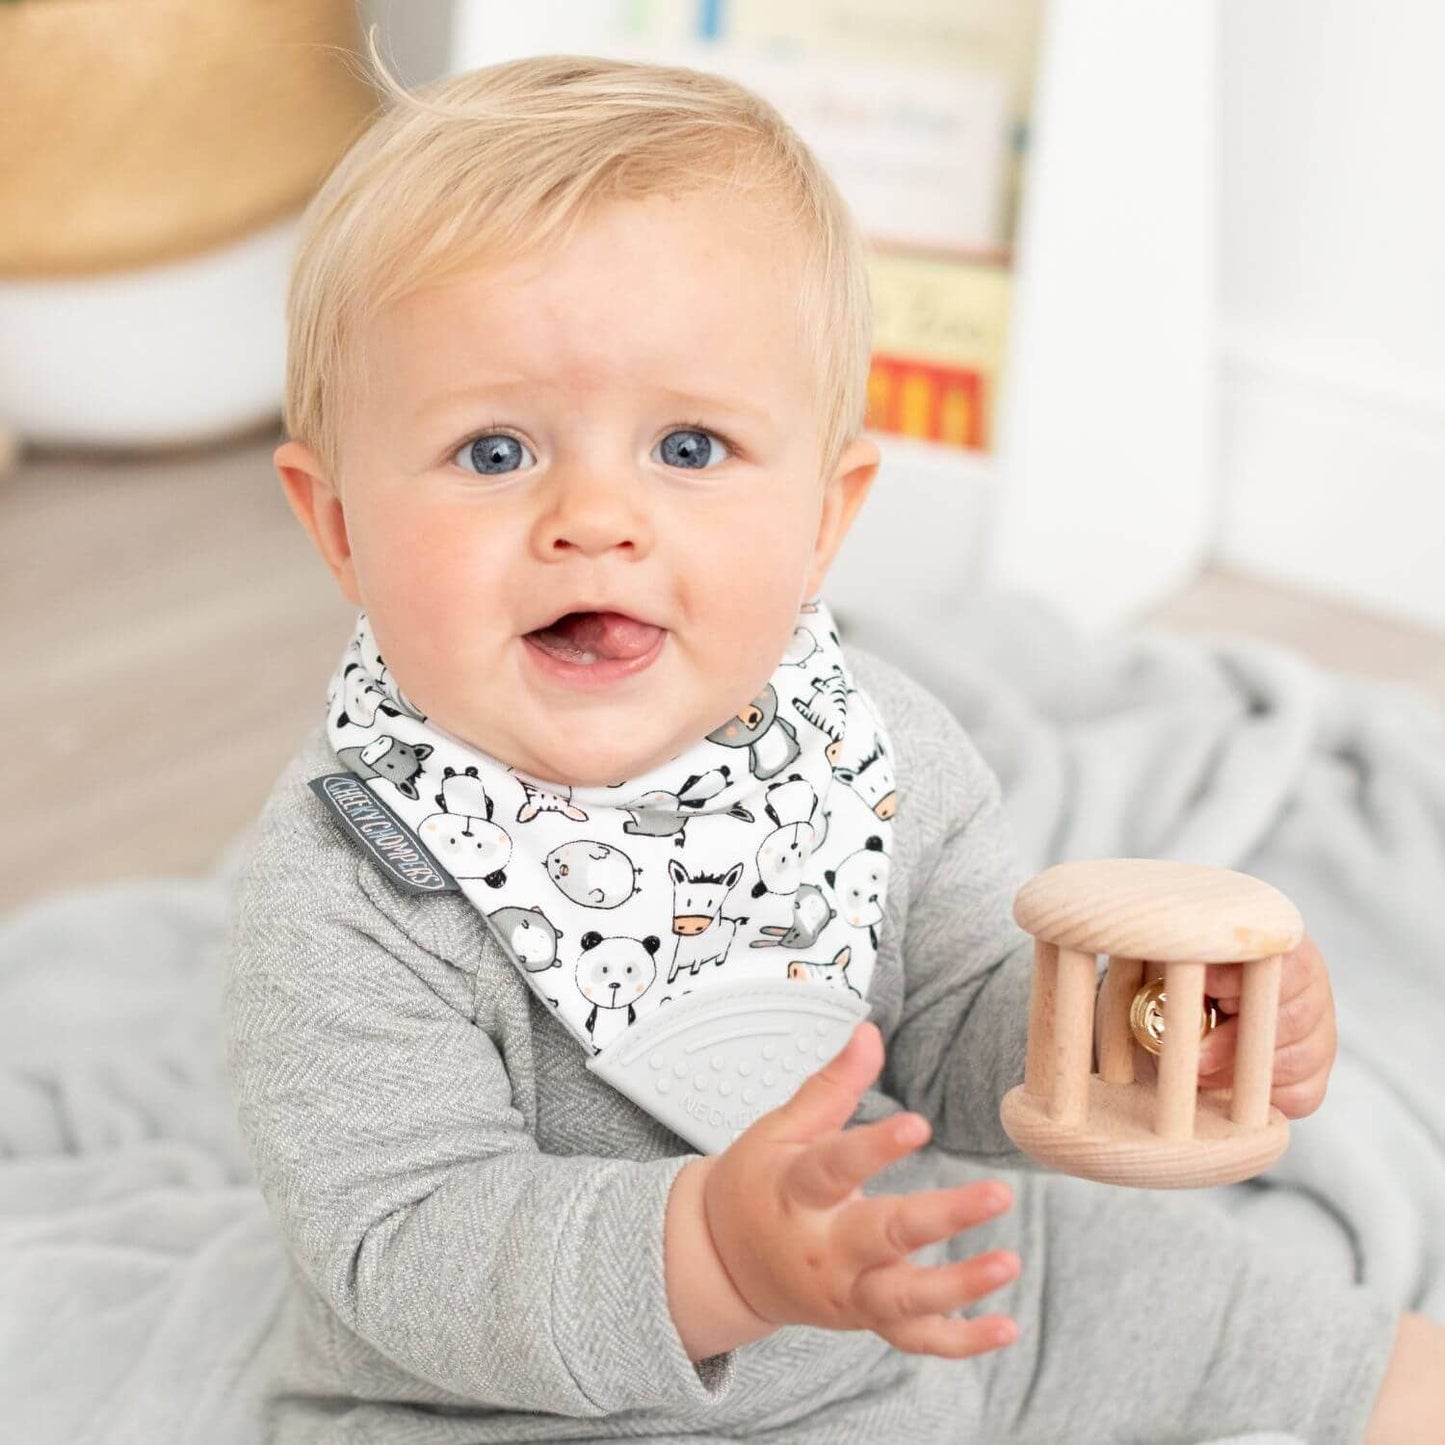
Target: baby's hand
column 1304, row 1044
column 803, row 1245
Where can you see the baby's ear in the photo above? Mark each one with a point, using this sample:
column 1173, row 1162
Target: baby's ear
column 317, row 505
column 843, row 494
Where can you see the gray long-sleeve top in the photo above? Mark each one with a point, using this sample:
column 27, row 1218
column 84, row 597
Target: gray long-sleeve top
column 477, row 1221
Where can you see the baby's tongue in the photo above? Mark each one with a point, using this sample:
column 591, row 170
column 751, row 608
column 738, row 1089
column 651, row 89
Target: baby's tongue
column 596, row 636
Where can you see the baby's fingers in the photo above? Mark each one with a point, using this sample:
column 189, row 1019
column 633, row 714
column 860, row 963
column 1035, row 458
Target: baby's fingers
column 826, row 1100
column 954, row 1339
column 1297, row 1049
column 830, row 1169
column 890, row 1226
column 899, row 1292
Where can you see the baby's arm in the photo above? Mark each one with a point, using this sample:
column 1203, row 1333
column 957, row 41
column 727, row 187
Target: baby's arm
column 962, row 1034
column 710, row 1315
column 408, row 1186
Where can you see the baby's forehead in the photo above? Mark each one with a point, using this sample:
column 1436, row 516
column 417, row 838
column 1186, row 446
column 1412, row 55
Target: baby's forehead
column 628, row 256
column 637, row 301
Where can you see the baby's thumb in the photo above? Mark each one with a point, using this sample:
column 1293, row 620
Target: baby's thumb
column 825, row 1100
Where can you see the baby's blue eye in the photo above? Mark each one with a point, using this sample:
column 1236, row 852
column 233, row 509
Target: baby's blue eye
column 491, row 455
column 690, row 447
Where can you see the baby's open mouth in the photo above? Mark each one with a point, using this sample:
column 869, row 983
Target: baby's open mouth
column 587, row 637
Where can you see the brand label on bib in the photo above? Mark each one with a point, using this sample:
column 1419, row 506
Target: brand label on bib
column 369, row 823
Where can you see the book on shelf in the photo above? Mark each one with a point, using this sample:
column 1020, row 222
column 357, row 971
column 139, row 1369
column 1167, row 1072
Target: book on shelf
column 940, row 327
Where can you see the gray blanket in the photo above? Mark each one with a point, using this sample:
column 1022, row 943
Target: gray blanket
column 141, row 1278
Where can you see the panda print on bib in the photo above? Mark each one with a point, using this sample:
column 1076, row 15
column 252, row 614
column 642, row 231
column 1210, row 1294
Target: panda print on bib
column 759, row 854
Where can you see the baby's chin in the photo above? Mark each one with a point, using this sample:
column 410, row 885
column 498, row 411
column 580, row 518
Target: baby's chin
column 571, row 762
column 589, row 768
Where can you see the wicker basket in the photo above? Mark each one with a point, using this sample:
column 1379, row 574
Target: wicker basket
column 134, row 132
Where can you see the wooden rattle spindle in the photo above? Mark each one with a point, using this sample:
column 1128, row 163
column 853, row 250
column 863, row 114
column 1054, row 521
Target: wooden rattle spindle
column 1178, row 1084
column 1116, row 1042
column 1039, row 1066
column 1254, row 1046
column 1073, row 1035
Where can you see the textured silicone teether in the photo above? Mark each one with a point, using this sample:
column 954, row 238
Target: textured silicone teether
column 709, row 1063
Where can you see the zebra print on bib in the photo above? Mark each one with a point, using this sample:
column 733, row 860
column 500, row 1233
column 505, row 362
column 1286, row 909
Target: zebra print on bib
column 758, row 854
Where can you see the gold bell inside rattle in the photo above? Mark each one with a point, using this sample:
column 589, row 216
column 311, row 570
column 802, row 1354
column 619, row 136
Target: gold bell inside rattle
column 1139, row 1117
column 1146, row 1017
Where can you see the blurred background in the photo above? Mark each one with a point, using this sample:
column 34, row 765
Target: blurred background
column 1160, row 324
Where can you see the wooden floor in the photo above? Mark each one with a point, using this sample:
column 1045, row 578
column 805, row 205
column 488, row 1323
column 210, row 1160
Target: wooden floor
column 170, row 635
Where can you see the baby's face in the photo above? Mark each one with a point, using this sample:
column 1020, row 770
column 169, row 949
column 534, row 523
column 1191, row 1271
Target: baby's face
column 625, row 426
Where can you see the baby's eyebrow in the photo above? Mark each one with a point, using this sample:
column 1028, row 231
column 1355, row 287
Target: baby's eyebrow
column 453, row 395
column 737, row 406
column 734, row 406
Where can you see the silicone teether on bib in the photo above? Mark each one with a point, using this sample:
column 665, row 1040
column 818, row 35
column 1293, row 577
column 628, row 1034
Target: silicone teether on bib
column 711, row 1062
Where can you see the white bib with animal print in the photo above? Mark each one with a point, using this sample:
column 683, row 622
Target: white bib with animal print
column 707, row 930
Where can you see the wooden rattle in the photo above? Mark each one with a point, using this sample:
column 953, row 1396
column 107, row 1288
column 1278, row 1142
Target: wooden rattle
column 1159, row 923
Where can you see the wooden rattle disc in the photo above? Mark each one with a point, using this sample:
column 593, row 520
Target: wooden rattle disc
column 1159, row 924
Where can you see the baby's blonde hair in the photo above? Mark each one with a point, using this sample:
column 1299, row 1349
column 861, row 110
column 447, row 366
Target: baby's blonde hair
column 485, row 166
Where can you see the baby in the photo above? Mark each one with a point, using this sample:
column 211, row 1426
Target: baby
column 578, row 365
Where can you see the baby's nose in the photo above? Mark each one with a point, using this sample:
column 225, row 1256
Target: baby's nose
column 592, row 513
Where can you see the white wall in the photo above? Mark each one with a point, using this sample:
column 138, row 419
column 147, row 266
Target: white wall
column 1333, row 297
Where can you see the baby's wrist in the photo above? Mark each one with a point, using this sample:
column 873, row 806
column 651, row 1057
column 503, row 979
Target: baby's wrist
column 710, row 1314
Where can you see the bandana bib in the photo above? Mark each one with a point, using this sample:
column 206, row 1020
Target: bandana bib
column 707, row 930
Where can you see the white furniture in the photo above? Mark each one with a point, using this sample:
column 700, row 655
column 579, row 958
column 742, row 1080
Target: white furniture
column 1104, row 494
column 162, row 355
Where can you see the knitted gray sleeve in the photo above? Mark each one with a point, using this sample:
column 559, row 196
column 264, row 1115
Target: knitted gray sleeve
column 961, row 1031
column 962, row 1038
